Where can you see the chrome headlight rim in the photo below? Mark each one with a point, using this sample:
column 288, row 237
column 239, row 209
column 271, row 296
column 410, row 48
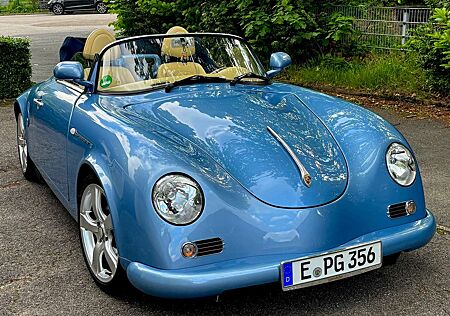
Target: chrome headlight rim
column 410, row 154
column 199, row 188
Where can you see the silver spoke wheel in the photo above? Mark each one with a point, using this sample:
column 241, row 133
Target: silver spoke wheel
column 22, row 143
column 58, row 9
column 96, row 231
column 101, row 7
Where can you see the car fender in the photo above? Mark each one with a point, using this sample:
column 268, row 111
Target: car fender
column 22, row 104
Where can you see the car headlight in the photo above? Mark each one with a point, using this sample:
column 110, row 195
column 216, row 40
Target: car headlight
column 401, row 165
column 178, row 199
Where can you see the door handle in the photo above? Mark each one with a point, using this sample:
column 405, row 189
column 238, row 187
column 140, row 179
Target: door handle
column 38, row 103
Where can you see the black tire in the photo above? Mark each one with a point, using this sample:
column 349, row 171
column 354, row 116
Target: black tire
column 391, row 259
column 101, row 7
column 58, row 9
column 119, row 282
column 27, row 165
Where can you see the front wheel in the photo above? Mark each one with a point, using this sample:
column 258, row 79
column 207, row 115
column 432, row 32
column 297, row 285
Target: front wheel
column 97, row 238
column 57, row 9
column 101, row 8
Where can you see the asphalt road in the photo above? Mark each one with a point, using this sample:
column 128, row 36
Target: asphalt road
column 47, row 32
column 42, row 271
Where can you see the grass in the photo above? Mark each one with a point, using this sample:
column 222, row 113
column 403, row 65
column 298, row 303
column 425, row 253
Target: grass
column 391, row 74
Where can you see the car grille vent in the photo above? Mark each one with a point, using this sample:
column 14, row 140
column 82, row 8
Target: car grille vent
column 209, row 246
column 397, row 210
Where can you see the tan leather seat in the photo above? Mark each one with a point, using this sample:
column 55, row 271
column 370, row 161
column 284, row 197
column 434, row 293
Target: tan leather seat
column 181, row 48
column 180, row 69
column 113, row 75
column 96, row 41
column 117, row 76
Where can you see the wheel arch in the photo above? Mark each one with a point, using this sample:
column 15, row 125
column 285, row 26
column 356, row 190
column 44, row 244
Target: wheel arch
column 21, row 105
column 94, row 165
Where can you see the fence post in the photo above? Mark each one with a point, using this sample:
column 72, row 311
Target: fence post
column 405, row 26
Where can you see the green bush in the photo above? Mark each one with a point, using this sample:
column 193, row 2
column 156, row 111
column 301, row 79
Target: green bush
column 15, row 66
column 432, row 42
column 21, row 6
column 269, row 25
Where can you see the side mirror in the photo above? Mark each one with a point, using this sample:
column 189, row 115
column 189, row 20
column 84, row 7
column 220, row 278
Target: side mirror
column 71, row 70
column 278, row 61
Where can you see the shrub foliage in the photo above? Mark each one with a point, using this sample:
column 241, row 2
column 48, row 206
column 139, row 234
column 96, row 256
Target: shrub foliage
column 15, row 66
column 269, row 25
column 432, row 42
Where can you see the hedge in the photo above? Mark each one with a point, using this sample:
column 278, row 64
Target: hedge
column 269, row 25
column 15, row 66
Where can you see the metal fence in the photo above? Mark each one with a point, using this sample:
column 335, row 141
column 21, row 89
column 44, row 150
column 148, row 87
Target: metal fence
column 384, row 27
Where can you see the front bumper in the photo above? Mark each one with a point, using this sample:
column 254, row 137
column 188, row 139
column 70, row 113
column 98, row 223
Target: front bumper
column 213, row 279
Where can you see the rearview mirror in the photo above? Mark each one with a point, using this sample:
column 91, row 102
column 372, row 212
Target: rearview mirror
column 278, row 61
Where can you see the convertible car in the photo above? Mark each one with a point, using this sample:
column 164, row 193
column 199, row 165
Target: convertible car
column 191, row 172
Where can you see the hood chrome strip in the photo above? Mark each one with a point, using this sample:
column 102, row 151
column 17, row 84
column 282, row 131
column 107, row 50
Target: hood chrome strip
column 306, row 177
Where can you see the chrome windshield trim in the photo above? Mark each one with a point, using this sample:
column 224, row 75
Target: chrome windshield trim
column 306, row 177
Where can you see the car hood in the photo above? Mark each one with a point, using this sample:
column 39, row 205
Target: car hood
column 232, row 127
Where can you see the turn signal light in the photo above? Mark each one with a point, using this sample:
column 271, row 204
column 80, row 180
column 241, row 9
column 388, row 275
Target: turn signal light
column 189, row 250
column 410, row 207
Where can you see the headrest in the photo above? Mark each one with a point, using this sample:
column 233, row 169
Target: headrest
column 96, row 41
column 178, row 47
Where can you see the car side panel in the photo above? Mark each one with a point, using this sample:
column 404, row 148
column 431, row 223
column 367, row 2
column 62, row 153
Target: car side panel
column 47, row 131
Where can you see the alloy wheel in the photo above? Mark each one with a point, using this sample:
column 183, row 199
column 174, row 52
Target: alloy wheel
column 57, row 9
column 101, row 8
column 96, row 231
column 22, row 143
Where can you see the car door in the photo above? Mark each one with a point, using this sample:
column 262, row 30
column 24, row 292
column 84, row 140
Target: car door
column 78, row 4
column 50, row 112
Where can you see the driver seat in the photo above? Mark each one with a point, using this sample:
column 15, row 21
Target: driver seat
column 180, row 48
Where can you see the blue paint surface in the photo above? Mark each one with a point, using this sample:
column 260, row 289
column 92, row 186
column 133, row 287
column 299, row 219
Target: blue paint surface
column 217, row 134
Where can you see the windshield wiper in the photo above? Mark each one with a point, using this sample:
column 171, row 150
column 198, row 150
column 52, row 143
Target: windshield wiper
column 249, row 75
column 193, row 79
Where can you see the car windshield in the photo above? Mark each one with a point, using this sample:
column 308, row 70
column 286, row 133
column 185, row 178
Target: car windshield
column 142, row 63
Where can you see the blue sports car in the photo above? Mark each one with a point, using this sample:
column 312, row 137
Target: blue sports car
column 190, row 172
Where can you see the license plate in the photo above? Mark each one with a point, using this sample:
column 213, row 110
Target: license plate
column 331, row 266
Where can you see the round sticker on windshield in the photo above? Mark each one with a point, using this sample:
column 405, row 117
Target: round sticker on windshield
column 106, row 81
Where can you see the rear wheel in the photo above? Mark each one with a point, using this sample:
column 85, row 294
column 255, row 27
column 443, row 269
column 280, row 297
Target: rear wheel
column 97, row 237
column 28, row 168
column 102, row 8
column 57, row 9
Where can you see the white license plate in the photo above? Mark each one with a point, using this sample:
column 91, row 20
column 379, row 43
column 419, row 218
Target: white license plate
column 331, row 266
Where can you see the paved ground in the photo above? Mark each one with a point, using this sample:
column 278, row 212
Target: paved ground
column 42, row 271
column 47, row 32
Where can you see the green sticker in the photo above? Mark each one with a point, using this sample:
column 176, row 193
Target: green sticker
column 106, row 81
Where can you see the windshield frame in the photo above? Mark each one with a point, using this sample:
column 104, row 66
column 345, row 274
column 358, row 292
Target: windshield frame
column 96, row 69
